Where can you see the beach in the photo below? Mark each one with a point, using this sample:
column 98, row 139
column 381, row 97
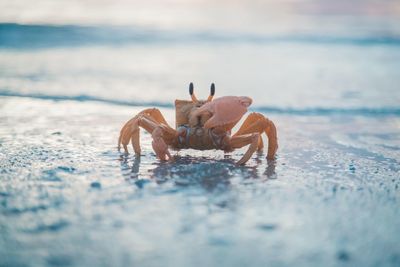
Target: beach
column 68, row 84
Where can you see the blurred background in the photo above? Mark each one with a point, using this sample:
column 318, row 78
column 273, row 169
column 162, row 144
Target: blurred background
column 288, row 54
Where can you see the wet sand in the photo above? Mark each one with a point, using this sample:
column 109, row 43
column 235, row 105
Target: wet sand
column 69, row 198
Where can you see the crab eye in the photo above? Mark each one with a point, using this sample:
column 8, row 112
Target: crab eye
column 212, row 89
column 191, row 92
column 191, row 88
column 212, row 92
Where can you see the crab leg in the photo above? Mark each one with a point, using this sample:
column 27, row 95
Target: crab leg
column 131, row 130
column 150, row 120
column 161, row 135
column 159, row 145
column 154, row 113
column 257, row 123
column 244, row 140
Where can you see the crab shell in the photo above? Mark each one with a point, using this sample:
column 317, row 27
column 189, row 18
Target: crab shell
column 225, row 110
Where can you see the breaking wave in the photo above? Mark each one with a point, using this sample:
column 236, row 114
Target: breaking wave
column 24, row 36
column 309, row 111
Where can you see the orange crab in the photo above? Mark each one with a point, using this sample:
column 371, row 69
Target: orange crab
column 202, row 125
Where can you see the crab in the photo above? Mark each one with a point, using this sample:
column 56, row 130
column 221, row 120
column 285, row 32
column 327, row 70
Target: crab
column 202, row 125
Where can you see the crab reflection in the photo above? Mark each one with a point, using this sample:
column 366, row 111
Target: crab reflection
column 184, row 171
column 270, row 169
column 130, row 166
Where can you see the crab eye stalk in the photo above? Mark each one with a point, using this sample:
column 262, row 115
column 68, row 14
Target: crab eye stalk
column 191, row 89
column 191, row 92
column 212, row 92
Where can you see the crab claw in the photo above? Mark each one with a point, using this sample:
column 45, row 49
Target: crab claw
column 225, row 110
column 159, row 145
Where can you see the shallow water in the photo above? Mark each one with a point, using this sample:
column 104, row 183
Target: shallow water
column 327, row 75
column 69, row 198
